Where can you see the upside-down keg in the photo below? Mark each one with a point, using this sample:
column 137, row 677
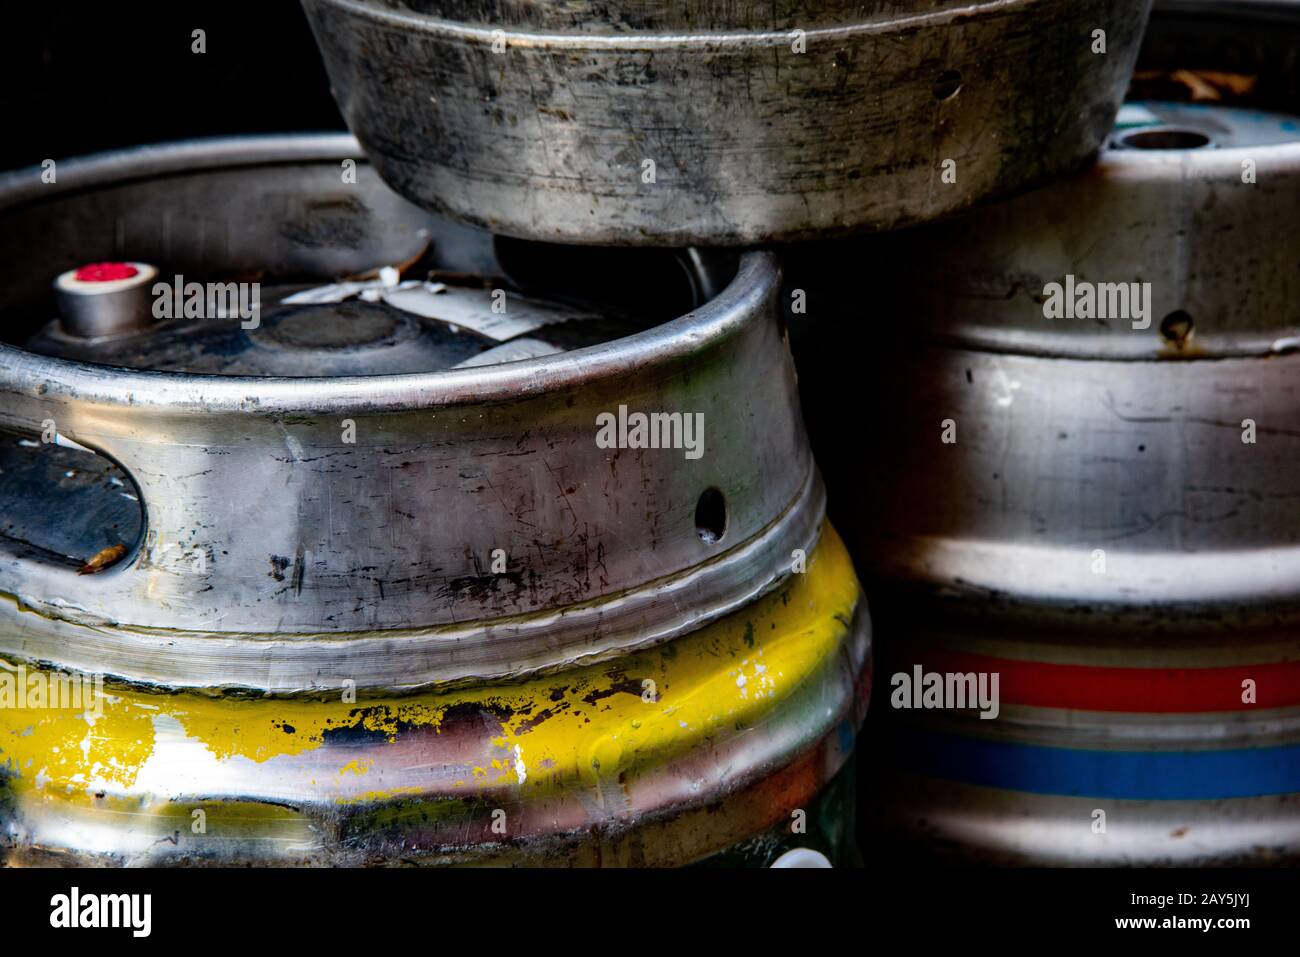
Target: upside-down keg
column 722, row 123
column 335, row 532
column 1072, row 482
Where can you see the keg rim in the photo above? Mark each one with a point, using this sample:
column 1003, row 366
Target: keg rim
column 758, row 277
column 651, row 40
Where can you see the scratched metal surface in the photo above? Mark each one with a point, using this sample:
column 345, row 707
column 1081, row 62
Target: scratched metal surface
column 276, row 555
column 751, row 141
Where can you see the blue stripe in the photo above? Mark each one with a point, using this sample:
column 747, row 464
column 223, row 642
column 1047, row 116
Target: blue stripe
column 1140, row 775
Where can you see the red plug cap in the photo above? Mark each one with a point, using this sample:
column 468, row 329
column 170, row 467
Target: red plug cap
column 105, row 272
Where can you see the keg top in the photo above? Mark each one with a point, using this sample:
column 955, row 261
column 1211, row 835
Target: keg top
column 416, row 326
column 357, row 483
column 351, row 282
column 1177, row 244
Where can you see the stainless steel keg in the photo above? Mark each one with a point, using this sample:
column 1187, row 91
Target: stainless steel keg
column 719, row 123
column 361, row 536
column 1074, row 466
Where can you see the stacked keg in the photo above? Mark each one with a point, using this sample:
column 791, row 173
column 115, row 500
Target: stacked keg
column 1094, row 503
column 443, row 495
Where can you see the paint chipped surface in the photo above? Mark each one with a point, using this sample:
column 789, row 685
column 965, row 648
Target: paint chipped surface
column 585, row 731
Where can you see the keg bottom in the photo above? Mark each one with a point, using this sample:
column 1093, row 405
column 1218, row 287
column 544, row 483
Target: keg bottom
column 646, row 760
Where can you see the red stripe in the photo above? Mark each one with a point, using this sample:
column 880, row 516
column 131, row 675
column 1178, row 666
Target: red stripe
column 1149, row 690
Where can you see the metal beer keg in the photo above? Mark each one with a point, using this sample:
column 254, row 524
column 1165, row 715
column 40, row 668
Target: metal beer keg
column 649, row 122
column 365, row 537
column 1074, row 466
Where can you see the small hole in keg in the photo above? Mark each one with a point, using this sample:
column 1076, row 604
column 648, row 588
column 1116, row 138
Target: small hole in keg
column 1164, row 138
column 946, row 85
column 711, row 516
column 1176, row 327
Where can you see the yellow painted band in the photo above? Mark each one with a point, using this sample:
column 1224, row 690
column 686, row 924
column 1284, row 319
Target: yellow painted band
column 547, row 733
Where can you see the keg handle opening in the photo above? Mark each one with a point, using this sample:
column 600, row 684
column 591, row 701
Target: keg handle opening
column 66, row 505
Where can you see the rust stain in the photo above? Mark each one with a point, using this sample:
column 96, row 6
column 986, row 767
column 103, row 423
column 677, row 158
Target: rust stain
column 103, row 559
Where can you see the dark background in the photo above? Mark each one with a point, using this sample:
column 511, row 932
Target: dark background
column 78, row 77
